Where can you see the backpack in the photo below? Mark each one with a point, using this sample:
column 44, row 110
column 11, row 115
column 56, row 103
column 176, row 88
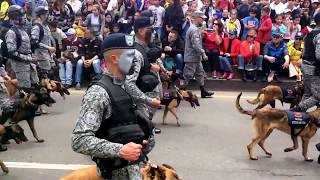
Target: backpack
column 35, row 45
column 4, row 55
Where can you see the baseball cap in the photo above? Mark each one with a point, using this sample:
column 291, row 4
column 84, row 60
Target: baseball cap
column 199, row 14
column 70, row 32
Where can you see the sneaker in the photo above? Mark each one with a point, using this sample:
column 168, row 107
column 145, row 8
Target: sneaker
column 214, row 74
column 225, row 75
column 78, row 86
column 157, row 131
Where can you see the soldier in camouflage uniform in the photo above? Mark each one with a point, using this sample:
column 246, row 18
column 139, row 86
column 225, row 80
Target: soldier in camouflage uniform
column 194, row 53
column 42, row 41
column 98, row 108
column 20, row 61
column 311, row 69
column 146, row 101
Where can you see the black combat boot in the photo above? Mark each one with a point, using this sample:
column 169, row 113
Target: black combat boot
column 3, row 148
column 204, row 93
column 318, row 148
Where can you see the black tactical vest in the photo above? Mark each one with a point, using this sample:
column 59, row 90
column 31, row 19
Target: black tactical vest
column 123, row 108
column 309, row 54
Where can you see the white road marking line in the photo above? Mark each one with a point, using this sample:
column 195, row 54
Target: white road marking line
column 34, row 165
column 198, row 94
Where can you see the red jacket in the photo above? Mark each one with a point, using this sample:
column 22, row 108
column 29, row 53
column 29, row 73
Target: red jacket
column 235, row 48
column 223, row 4
column 208, row 41
column 264, row 31
column 247, row 53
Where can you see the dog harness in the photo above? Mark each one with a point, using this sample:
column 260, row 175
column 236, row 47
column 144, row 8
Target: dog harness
column 289, row 93
column 298, row 121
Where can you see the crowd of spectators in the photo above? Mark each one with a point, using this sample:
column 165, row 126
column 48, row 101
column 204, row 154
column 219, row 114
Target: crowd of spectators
column 258, row 40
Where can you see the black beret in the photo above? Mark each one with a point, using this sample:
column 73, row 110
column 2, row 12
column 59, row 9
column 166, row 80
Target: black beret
column 117, row 41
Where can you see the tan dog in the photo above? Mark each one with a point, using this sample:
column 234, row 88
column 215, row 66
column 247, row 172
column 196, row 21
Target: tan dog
column 88, row 173
column 172, row 100
column 269, row 94
column 265, row 120
column 11, row 87
column 55, row 86
column 158, row 172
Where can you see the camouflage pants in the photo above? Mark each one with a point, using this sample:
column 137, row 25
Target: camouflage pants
column 25, row 77
column 194, row 69
column 312, row 92
column 131, row 172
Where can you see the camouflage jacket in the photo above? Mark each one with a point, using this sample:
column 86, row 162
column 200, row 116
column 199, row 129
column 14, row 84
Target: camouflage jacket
column 95, row 108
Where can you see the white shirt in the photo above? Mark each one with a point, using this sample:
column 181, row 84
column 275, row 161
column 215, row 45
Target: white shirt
column 184, row 9
column 279, row 8
column 112, row 5
column 160, row 11
column 75, row 4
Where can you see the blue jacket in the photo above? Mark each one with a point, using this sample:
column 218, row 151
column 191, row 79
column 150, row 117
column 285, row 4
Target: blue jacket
column 277, row 52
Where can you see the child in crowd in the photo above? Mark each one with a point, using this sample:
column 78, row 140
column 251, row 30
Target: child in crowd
column 78, row 22
column 250, row 22
column 289, row 25
column 278, row 27
column 233, row 24
column 295, row 50
column 296, row 27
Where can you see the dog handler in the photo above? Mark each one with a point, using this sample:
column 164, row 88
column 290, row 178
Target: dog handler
column 311, row 69
column 107, row 128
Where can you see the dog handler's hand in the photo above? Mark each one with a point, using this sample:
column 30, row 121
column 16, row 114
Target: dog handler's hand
column 155, row 67
column 7, row 78
column 155, row 102
column 131, row 151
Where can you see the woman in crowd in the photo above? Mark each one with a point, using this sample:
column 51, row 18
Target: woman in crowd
column 95, row 21
column 173, row 18
column 306, row 13
column 63, row 14
column 87, row 7
column 295, row 49
column 212, row 39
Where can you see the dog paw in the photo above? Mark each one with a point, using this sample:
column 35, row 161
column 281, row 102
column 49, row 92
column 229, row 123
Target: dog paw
column 288, row 149
column 309, row 160
column 178, row 125
column 254, row 158
column 268, row 154
column 40, row 140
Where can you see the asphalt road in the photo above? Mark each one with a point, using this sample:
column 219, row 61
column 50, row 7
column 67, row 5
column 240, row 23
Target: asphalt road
column 210, row 145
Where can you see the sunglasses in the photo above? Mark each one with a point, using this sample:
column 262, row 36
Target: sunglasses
column 251, row 36
column 298, row 39
column 215, row 23
column 276, row 37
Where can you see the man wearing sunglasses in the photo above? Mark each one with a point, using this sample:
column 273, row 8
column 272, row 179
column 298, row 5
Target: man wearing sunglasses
column 276, row 56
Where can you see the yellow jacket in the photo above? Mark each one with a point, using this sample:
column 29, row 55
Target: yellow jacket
column 294, row 54
column 3, row 10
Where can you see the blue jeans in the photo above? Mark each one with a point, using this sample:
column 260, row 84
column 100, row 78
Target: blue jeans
column 65, row 72
column 79, row 69
column 225, row 64
column 256, row 61
column 159, row 32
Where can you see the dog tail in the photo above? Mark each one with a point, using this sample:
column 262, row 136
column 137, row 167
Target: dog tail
column 240, row 109
column 257, row 99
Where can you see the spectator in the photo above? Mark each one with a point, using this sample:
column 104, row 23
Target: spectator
column 306, row 30
column 287, row 21
column 58, row 35
column 233, row 24
column 296, row 27
column 115, row 28
column 230, row 50
column 173, row 48
column 87, row 7
column 108, row 25
column 250, row 22
column 95, row 21
column 126, row 25
column 277, row 7
column 90, row 58
column 212, row 39
column 184, row 6
column 159, row 11
column 4, row 19
column 306, row 13
column 295, row 50
column 250, row 58
column 224, row 4
column 71, row 53
column 225, row 16
column 76, row 5
column 78, row 26
column 63, row 14
column 265, row 28
column 186, row 25
column 276, row 56
column 173, row 18
column 278, row 27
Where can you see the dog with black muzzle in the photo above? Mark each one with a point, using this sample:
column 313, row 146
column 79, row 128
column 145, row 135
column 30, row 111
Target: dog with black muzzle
column 25, row 107
column 172, row 98
column 7, row 133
